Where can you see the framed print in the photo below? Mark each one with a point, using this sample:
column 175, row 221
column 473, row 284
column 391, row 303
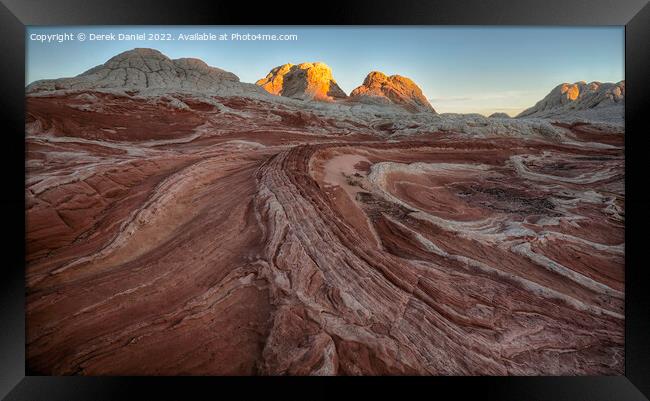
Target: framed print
column 429, row 194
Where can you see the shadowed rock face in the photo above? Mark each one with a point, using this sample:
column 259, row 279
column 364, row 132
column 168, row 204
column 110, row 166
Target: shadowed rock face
column 200, row 234
column 394, row 89
column 302, row 81
column 592, row 101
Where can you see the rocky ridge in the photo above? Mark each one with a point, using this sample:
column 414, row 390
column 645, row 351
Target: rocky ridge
column 591, row 101
column 499, row 115
column 150, row 73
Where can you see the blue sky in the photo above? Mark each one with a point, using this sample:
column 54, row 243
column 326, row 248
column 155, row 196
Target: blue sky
column 460, row 69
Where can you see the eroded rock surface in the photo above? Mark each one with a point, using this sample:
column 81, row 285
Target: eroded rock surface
column 379, row 88
column 142, row 68
column 591, row 101
column 302, row 81
column 226, row 242
column 193, row 233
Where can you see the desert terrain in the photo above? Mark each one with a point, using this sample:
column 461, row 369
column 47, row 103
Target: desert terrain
column 181, row 222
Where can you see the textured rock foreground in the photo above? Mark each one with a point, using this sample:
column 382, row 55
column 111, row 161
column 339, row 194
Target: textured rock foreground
column 237, row 236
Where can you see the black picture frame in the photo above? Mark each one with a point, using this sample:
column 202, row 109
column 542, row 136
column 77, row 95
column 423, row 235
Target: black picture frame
column 15, row 15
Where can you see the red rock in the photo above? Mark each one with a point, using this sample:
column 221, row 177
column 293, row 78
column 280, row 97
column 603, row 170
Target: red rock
column 246, row 236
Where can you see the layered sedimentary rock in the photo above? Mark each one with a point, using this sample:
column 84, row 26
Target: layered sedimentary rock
column 591, row 101
column 379, row 88
column 302, row 81
column 199, row 234
column 225, row 244
column 499, row 115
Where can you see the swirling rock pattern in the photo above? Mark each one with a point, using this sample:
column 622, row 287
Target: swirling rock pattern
column 224, row 235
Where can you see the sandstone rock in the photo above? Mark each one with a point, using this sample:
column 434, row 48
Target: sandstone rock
column 378, row 88
column 142, row 68
column 499, row 115
column 302, row 81
column 188, row 233
column 198, row 235
column 591, row 101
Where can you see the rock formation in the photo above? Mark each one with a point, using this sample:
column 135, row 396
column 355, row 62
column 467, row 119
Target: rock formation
column 591, row 101
column 190, row 233
column 499, row 115
column 378, row 88
column 302, row 81
column 143, row 68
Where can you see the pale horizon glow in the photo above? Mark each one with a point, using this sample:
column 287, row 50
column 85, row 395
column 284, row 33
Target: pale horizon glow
column 459, row 69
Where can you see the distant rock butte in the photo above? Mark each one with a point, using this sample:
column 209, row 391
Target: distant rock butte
column 579, row 99
column 302, row 81
column 379, row 88
column 149, row 70
column 499, row 115
column 143, row 68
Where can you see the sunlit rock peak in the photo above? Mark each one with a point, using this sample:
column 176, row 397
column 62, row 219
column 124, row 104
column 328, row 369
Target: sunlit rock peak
column 303, row 81
column 394, row 89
